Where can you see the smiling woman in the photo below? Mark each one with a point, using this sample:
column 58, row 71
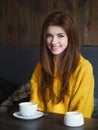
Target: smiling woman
column 63, row 80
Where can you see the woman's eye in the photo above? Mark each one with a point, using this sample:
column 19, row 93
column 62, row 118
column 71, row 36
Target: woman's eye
column 60, row 35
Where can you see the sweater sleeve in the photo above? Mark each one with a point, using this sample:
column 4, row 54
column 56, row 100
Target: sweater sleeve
column 35, row 83
column 82, row 98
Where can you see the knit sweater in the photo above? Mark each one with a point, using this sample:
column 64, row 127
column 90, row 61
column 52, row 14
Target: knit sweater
column 81, row 86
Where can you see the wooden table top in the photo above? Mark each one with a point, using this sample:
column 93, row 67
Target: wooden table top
column 49, row 121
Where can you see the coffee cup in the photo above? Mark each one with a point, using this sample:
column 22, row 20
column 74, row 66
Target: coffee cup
column 73, row 119
column 27, row 109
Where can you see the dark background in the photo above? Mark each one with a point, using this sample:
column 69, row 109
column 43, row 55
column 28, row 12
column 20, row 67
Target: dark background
column 21, row 20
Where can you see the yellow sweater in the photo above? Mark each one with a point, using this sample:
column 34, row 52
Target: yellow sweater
column 81, row 89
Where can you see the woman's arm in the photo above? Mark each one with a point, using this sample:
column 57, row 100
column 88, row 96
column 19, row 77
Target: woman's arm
column 83, row 92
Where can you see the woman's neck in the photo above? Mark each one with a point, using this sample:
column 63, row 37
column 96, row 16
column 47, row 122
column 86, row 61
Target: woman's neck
column 58, row 60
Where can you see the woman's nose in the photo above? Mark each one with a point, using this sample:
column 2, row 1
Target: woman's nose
column 54, row 40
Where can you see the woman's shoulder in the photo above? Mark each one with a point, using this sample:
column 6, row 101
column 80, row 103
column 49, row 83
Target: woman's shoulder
column 38, row 66
column 85, row 63
column 37, row 70
column 84, row 68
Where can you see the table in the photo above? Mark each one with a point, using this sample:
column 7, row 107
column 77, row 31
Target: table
column 49, row 121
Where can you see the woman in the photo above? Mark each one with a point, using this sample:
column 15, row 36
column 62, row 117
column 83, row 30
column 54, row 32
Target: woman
column 63, row 80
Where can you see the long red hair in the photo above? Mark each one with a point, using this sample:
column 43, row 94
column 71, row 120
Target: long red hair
column 69, row 60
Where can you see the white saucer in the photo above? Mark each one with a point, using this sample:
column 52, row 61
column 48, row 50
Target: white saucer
column 38, row 114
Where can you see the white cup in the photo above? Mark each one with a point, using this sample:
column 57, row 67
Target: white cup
column 28, row 108
column 73, row 119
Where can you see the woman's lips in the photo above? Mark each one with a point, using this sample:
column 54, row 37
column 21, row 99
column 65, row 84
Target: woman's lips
column 54, row 48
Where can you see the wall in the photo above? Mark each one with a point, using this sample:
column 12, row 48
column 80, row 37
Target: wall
column 21, row 20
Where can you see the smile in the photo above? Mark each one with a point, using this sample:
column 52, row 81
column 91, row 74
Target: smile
column 54, row 48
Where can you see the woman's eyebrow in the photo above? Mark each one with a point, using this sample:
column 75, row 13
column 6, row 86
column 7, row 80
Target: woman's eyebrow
column 61, row 33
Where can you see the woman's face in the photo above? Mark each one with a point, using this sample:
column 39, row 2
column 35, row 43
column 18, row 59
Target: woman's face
column 57, row 40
